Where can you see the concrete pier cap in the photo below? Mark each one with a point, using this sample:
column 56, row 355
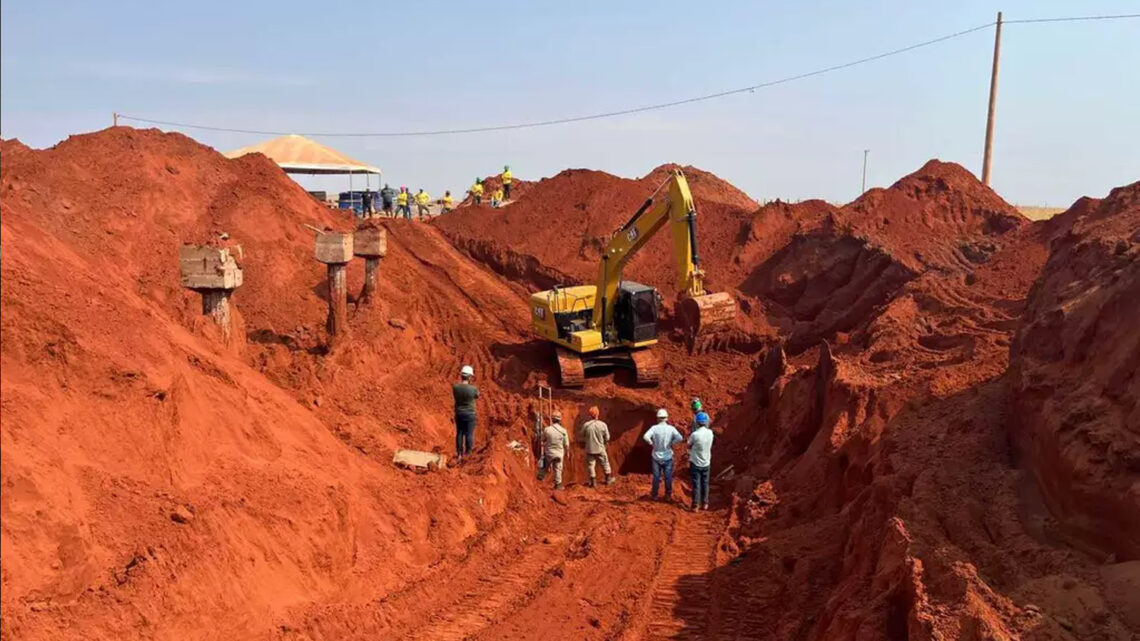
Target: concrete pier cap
column 214, row 273
column 370, row 242
column 204, row 267
column 334, row 248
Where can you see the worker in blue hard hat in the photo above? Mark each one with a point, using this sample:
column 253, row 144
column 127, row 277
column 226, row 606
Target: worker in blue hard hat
column 700, row 460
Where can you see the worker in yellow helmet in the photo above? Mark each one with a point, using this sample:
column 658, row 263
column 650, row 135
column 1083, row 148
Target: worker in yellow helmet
column 506, row 176
column 477, row 192
column 402, row 206
column 422, row 200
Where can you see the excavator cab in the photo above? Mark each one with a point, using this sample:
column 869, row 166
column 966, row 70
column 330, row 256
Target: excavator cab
column 635, row 313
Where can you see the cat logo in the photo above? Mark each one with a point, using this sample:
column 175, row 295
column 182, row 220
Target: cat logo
column 632, row 234
column 540, row 313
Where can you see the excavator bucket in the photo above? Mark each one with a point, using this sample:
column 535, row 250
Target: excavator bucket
column 708, row 314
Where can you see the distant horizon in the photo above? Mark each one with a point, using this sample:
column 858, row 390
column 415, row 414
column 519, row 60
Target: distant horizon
column 1063, row 115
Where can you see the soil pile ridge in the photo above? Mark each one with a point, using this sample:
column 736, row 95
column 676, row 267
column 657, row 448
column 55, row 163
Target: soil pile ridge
column 1076, row 376
column 555, row 232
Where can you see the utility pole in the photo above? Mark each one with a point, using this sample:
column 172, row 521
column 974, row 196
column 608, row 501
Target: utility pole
column 993, row 99
column 864, row 188
column 114, row 119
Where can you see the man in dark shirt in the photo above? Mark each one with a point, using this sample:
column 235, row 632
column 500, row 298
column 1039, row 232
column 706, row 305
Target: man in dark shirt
column 366, row 204
column 464, row 392
column 387, row 200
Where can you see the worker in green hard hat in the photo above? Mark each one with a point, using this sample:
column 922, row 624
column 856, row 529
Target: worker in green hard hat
column 506, row 178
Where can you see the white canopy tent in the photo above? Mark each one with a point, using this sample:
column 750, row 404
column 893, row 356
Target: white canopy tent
column 299, row 155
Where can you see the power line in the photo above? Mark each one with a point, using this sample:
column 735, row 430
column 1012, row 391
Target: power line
column 1072, row 18
column 634, row 110
column 559, row 121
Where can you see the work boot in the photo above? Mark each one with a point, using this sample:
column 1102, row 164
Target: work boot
column 592, row 483
column 558, row 486
column 609, row 479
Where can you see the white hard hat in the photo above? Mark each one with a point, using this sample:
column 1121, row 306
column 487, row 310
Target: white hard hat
column 661, row 413
column 467, row 370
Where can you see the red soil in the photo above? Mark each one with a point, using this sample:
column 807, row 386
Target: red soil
column 159, row 484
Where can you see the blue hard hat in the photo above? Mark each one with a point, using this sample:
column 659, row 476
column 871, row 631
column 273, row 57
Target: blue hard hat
column 702, row 418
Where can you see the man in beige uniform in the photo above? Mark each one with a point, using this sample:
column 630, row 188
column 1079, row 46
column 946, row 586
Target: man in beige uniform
column 556, row 443
column 596, row 435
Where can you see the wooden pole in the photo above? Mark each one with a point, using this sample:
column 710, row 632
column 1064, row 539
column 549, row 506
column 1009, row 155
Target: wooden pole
column 114, row 119
column 993, row 100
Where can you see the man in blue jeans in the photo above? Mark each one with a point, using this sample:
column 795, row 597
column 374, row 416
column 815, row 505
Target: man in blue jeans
column 700, row 460
column 662, row 437
column 464, row 392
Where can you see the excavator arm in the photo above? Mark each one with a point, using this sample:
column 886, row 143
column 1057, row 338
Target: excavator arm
column 672, row 205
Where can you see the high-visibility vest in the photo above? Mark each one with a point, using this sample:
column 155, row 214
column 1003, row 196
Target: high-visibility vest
column 507, row 177
column 422, row 198
column 402, row 199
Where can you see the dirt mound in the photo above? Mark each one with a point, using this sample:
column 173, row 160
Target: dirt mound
column 158, row 483
column 127, row 198
column 1076, row 375
column 939, row 217
column 555, row 232
column 706, row 187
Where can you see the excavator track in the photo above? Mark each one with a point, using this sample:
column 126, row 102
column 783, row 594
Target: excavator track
column 571, row 369
column 646, row 366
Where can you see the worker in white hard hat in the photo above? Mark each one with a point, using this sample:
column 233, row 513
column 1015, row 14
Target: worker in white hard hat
column 464, row 392
column 555, row 448
column 662, row 437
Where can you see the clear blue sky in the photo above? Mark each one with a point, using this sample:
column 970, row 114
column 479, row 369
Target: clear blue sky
column 1068, row 115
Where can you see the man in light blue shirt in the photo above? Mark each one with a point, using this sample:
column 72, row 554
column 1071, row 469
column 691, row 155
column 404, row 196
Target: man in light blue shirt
column 662, row 437
column 700, row 460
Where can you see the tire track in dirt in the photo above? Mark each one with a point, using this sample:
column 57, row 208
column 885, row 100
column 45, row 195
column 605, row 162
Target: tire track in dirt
column 495, row 596
column 680, row 604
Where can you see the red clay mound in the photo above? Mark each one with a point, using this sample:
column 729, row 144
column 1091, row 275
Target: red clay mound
column 706, row 187
column 127, row 198
column 821, row 272
column 1076, row 376
column 877, row 494
column 159, row 485
column 555, row 232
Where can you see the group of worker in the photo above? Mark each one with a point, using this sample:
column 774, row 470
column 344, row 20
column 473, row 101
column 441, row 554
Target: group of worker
column 399, row 203
column 501, row 194
column 594, row 434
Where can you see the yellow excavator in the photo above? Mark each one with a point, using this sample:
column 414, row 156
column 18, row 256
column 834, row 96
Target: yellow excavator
column 614, row 323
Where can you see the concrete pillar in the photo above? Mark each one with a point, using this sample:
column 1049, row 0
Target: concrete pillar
column 216, row 305
column 335, row 250
column 370, row 243
column 213, row 273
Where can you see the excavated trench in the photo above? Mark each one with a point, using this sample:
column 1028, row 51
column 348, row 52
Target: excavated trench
column 160, row 482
